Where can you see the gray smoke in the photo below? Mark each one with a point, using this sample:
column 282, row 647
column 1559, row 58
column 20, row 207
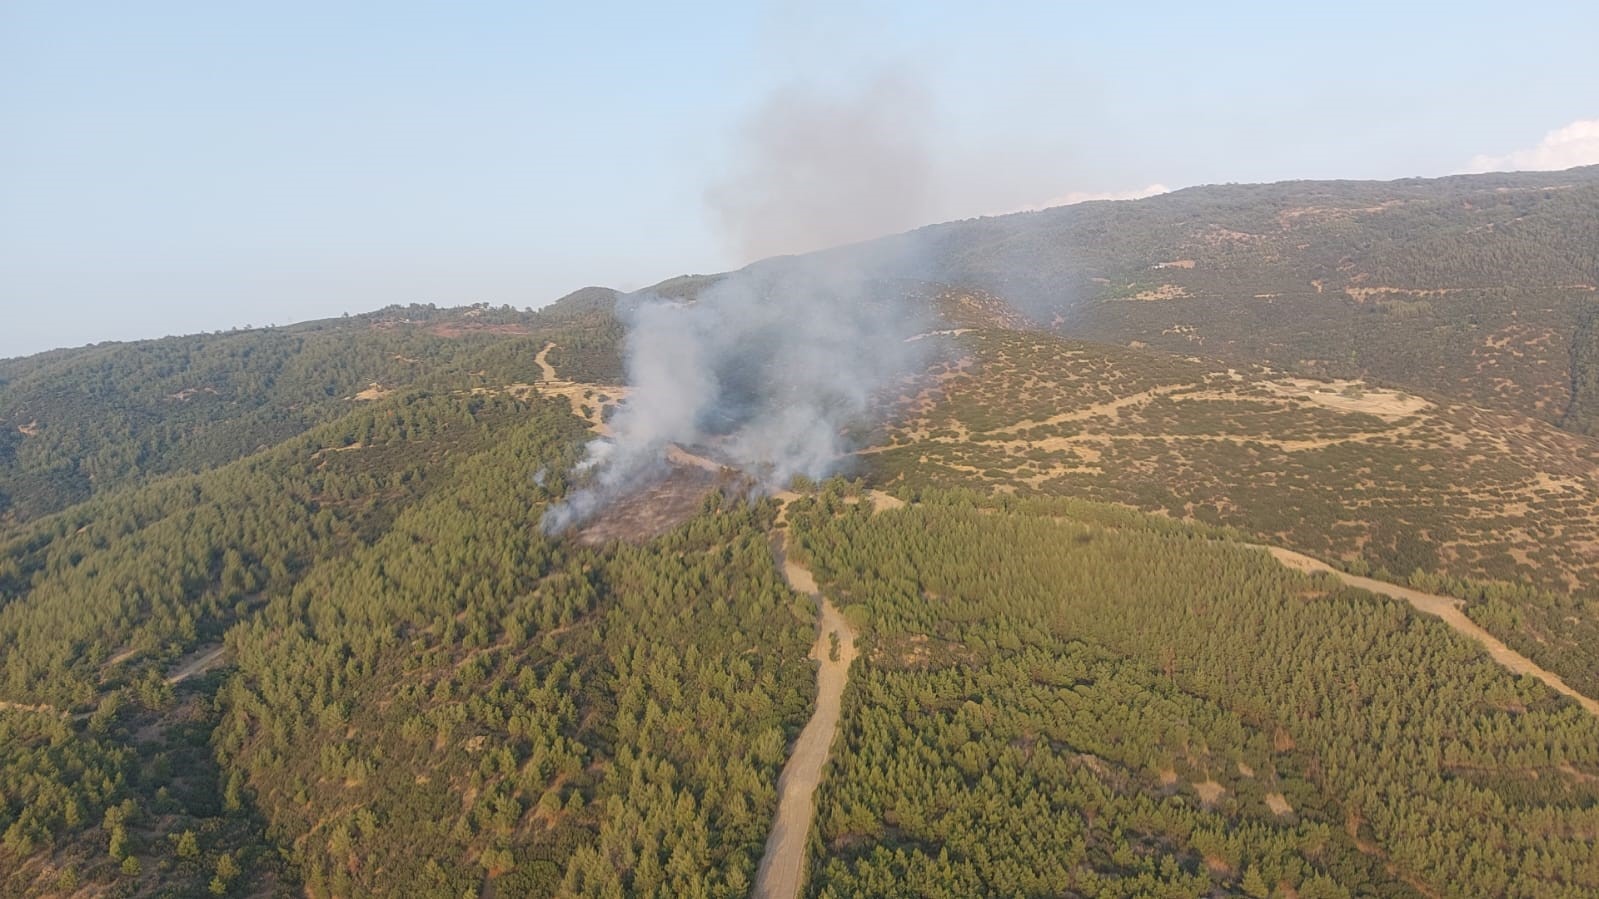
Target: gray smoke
column 817, row 170
column 770, row 365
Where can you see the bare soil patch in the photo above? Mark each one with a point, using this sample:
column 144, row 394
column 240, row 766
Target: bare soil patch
column 590, row 402
column 1350, row 396
column 1158, row 294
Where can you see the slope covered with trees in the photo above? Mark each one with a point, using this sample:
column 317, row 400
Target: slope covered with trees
column 75, row 423
column 1497, row 509
column 276, row 616
column 1058, row 699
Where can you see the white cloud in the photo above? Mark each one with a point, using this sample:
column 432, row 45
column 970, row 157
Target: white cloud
column 1574, row 145
column 1080, row 196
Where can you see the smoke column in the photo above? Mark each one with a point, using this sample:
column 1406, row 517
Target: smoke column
column 770, row 363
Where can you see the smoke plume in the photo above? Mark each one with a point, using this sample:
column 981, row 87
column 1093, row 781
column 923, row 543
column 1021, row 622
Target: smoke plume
column 768, row 366
column 816, row 170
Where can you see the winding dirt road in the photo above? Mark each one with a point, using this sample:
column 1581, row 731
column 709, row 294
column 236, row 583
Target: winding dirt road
column 782, row 869
column 1445, row 607
column 584, row 397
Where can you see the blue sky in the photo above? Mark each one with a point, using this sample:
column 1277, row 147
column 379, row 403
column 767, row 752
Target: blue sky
column 174, row 167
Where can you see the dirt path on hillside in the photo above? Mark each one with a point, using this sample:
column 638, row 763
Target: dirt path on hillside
column 1106, row 409
column 1447, row 608
column 589, row 401
column 201, row 661
column 40, row 709
column 543, row 361
column 782, row 869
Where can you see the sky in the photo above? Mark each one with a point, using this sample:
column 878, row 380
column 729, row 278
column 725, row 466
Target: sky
column 181, row 167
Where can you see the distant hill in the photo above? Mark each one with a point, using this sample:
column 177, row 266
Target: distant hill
column 76, row 423
column 1479, row 287
column 1484, row 288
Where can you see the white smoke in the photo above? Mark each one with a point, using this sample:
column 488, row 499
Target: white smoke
column 770, row 365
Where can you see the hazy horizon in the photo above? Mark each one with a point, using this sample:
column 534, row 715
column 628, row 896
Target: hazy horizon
column 185, row 168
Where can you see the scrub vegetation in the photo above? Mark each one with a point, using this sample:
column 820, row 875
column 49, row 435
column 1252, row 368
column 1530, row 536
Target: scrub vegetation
column 277, row 617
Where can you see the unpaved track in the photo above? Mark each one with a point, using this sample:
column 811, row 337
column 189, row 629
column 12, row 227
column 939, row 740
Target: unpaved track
column 543, row 362
column 201, row 663
column 782, row 869
column 583, row 396
column 1447, row 608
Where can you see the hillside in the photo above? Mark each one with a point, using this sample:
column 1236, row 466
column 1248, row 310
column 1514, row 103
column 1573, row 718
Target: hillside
column 1496, row 508
column 278, row 616
column 1477, row 287
column 1482, row 288
column 75, row 423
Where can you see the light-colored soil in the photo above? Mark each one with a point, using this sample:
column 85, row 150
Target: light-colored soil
column 1107, row 409
column 31, row 429
column 884, row 502
column 586, row 399
column 1447, row 608
column 24, row 707
column 677, row 455
column 543, row 362
column 1278, row 803
column 951, row 332
column 373, row 392
column 782, row 869
column 1209, row 791
column 1351, row 396
column 1158, row 294
column 198, row 662
column 338, row 449
column 121, row 657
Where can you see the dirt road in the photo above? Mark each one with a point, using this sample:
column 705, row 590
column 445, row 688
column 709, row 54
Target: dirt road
column 201, row 661
column 1447, row 608
column 543, row 361
column 586, row 399
column 782, row 869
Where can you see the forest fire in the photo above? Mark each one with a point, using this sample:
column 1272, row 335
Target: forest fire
column 657, row 506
